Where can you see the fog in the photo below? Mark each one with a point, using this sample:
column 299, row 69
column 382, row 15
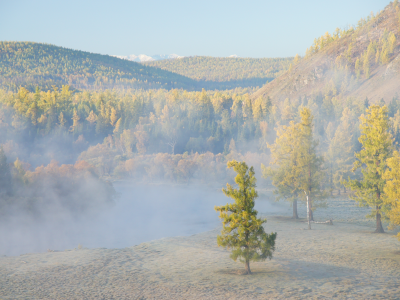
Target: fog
column 141, row 213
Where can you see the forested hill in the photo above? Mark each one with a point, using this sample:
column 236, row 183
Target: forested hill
column 30, row 64
column 361, row 62
column 228, row 71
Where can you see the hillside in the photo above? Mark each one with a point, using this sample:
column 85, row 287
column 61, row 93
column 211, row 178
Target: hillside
column 229, row 71
column 30, row 64
column 360, row 62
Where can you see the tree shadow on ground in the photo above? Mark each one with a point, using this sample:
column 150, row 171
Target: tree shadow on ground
column 295, row 269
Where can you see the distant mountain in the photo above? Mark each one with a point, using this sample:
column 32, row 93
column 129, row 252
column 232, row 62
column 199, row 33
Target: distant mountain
column 34, row 64
column 145, row 58
column 230, row 71
column 360, row 62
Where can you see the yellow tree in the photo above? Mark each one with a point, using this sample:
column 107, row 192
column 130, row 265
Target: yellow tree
column 377, row 147
column 392, row 189
column 298, row 172
column 311, row 174
column 285, row 158
column 242, row 231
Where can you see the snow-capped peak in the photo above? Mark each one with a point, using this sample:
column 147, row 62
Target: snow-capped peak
column 143, row 57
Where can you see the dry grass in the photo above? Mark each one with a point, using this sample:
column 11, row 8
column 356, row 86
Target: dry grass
column 343, row 261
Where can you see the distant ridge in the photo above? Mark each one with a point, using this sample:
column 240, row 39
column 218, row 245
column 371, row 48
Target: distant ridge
column 31, row 64
column 231, row 71
column 360, row 62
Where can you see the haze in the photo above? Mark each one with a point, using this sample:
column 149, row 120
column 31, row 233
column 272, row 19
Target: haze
column 207, row 28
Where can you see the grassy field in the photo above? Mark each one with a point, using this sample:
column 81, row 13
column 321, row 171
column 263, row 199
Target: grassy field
column 344, row 261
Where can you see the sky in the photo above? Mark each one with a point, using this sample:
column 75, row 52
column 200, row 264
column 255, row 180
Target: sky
column 207, row 28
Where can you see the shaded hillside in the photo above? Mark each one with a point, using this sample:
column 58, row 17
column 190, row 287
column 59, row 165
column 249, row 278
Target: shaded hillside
column 33, row 64
column 230, row 72
column 358, row 62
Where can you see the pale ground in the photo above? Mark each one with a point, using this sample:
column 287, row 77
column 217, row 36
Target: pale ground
column 343, row 261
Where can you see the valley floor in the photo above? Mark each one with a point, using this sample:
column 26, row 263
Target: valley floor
column 343, row 261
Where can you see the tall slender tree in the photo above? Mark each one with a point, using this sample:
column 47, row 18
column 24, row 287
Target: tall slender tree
column 392, row 189
column 299, row 170
column 285, row 157
column 377, row 147
column 311, row 174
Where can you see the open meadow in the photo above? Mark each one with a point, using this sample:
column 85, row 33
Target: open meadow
column 343, row 261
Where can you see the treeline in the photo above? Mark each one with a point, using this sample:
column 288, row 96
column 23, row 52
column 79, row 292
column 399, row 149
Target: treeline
column 363, row 26
column 175, row 122
column 181, row 136
column 377, row 52
column 143, row 121
column 231, row 71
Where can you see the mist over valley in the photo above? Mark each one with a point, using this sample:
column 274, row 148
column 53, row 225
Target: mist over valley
column 200, row 177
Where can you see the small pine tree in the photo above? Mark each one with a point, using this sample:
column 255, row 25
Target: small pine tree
column 366, row 67
column 392, row 42
column 242, row 231
column 384, row 56
column 296, row 59
column 357, row 68
column 92, row 118
column 75, row 123
column 61, row 120
column 113, row 117
column 117, row 126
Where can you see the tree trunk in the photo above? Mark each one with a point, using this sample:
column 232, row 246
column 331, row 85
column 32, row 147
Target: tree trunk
column 339, row 192
column 379, row 227
column 311, row 212
column 295, row 215
column 247, row 267
column 308, row 212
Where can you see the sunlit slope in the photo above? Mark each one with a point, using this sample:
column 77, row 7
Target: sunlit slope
column 357, row 62
column 30, row 64
column 228, row 71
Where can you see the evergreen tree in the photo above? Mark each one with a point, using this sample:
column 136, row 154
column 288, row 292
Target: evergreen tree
column 5, row 175
column 242, row 231
column 311, row 174
column 377, row 147
column 392, row 189
column 299, row 167
column 285, row 157
column 395, row 127
column 393, row 106
column 341, row 151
